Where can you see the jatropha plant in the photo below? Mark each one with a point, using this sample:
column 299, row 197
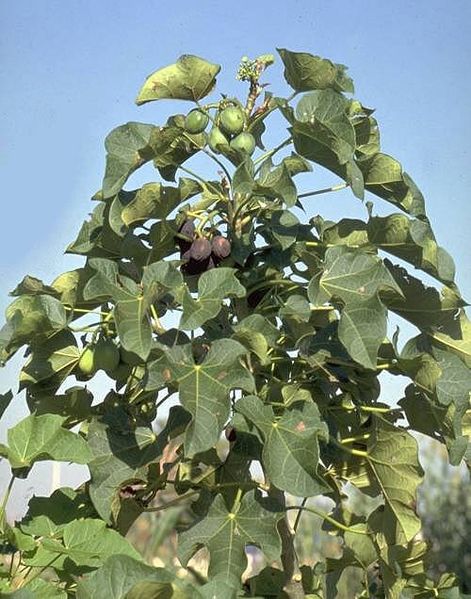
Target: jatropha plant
column 267, row 334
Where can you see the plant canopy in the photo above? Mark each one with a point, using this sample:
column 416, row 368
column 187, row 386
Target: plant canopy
column 265, row 331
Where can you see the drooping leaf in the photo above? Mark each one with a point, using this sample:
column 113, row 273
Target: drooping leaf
column 127, row 149
column 362, row 329
column 394, row 469
column 190, row 78
column 305, row 72
column 53, row 359
column 204, row 388
column 277, row 183
column 121, row 456
column 457, row 337
column 47, row 516
column 171, row 146
column 37, row 438
column 30, row 316
column 412, row 241
column 5, row 400
column 385, row 178
column 290, row 451
column 226, row 533
column 424, row 306
column 154, row 200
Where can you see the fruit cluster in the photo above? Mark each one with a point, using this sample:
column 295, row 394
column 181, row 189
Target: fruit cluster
column 228, row 129
column 200, row 253
column 103, row 355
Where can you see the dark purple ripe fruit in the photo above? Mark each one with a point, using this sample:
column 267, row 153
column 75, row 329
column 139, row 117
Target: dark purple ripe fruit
column 221, row 246
column 188, row 230
column 200, row 249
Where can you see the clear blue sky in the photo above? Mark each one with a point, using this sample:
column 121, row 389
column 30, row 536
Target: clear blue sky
column 70, row 71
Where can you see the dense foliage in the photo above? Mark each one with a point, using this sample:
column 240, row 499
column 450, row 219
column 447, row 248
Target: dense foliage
column 267, row 328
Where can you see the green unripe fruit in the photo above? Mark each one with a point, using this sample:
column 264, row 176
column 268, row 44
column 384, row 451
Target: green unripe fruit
column 244, row 142
column 217, row 139
column 232, row 120
column 196, row 121
column 86, row 362
column 106, row 355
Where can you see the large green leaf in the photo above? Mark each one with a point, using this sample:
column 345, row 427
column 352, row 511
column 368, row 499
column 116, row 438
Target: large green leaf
column 385, row 178
column 154, row 200
column 213, row 286
column 120, row 574
column 424, row 306
column 88, row 542
column 226, row 533
column 132, row 300
column 291, row 450
column 394, row 469
column 351, row 276
column 37, row 438
column 329, row 108
column 305, row 72
column 47, row 516
column 412, row 241
column 53, row 359
column 171, row 148
column 122, row 456
column 127, row 149
column 29, row 316
column 190, row 78
column 277, row 183
column 204, row 388
column 457, row 338
column 362, row 329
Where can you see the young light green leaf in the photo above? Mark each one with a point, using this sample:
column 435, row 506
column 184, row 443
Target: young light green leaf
column 290, row 451
column 89, row 542
column 37, row 438
column 190, row 78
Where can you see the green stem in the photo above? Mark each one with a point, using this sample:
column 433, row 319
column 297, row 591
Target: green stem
column 271, row 152
column 85, row 311
column 269, row 283
column 356, row 438
column 5, row 500
column 159, row 329
column 173, row 502
column 299, row 514
column 325, row 190
column 355, row 452
column 163, row 400
column 237, row 500
column 327, row 518
column 42, row 569
column 210, row 154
